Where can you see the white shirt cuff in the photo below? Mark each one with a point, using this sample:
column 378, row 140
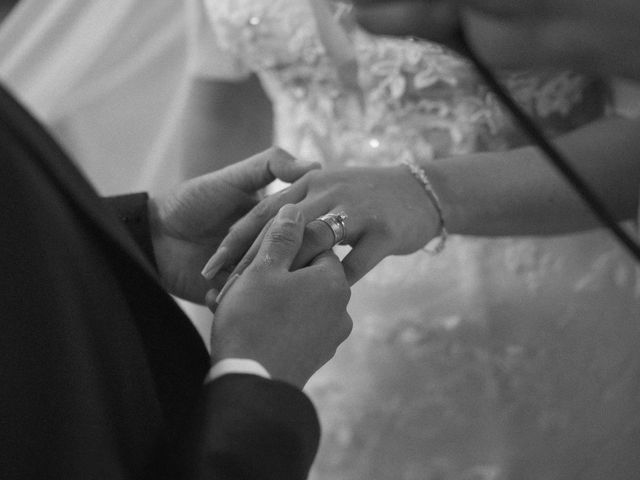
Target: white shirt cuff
column 236, row 365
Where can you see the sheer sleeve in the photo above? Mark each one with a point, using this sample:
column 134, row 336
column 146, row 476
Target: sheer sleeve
column 206, row 58
column 626, row 103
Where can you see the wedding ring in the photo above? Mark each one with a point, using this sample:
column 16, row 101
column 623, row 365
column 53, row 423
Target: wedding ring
column 335, row 221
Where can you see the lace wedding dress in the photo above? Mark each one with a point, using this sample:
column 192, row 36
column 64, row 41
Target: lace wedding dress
column 498, row 359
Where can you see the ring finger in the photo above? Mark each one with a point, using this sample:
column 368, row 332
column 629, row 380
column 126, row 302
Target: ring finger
column 318, row 236
column 244, row 232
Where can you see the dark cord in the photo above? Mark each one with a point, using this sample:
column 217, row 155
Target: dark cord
column 556, row 158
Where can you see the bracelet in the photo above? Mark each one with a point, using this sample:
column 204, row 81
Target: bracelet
column 421, row 176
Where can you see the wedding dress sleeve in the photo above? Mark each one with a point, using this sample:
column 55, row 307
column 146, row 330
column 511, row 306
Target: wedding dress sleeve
column 207, row 59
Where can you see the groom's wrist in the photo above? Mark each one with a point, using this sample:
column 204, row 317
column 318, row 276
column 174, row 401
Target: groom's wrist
column 236, row 366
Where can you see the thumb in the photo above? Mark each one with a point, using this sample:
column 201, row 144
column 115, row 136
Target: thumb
column 282, row 240
column 263, row 168
column 289, row 169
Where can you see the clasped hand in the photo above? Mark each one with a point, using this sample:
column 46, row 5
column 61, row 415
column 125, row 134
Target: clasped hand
column 290, row 321
column 388, row 213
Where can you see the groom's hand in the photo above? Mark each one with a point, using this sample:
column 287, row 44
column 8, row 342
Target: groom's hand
column 188, row 224
column 291, row 322
column 388, row 213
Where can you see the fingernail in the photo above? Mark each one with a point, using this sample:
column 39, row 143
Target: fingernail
column 215, row 263
column 210, row 300
column 290, row 212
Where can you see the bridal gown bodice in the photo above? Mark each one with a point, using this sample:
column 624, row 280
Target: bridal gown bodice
column 418, row 98
column 498, row 359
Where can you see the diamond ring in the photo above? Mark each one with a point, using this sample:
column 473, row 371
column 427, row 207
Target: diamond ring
column 335, row 221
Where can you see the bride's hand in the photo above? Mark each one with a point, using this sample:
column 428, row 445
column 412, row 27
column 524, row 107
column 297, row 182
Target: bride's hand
column 388, row 213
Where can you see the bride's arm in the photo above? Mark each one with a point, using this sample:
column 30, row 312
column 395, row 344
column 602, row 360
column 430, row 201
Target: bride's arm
column 223, row 122
column 518, row 192
column 491, row 194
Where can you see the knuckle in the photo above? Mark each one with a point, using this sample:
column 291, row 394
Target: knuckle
column 326, row 274
column 281, row 196
column 346, row 291
column 356, row 268
column 315, row 239
column 347, row 327
column 262, row 212
column 338, row 277
column 339, row 287
column 382, row 228
column 284, row 234
column 375, row 222
column 312, row 176
column 327, row 356
column 253, row 271
column 244, row 264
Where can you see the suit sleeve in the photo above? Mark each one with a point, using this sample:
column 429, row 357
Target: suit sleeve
column 247, row 427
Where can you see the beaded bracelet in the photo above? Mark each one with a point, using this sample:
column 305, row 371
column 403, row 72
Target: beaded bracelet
column 421, row 176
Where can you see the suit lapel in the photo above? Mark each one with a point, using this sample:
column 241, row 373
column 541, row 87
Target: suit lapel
column 177, row 354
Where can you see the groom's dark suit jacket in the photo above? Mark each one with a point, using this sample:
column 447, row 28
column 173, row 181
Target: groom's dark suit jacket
column 101, row 374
